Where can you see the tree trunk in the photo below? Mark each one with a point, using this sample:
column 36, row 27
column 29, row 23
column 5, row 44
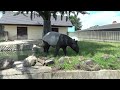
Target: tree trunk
column 46, row 26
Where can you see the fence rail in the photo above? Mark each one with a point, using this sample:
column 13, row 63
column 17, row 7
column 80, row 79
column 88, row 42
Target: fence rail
column 97, row 35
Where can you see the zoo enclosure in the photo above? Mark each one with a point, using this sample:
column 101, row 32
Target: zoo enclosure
column 96, row 35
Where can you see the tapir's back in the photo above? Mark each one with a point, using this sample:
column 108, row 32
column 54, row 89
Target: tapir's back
column 51, row 38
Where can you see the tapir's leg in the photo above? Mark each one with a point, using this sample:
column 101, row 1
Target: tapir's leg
column 46, row 47
column 64, row 50
column 56, row 51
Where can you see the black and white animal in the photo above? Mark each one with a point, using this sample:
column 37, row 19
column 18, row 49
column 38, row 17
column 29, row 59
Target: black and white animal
column 58, row 41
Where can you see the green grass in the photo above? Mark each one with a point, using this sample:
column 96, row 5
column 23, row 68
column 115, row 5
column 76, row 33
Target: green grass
column 93, row 50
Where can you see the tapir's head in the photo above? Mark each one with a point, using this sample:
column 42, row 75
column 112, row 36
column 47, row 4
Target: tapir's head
column 74, row 45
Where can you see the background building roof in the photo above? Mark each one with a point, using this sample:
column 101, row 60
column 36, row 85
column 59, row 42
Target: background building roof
column 8, row 18
column 108, row 26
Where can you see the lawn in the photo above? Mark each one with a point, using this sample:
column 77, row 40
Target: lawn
column 94, row 51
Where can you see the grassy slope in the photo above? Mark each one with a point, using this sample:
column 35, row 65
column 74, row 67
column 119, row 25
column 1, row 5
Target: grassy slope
column 93, row 50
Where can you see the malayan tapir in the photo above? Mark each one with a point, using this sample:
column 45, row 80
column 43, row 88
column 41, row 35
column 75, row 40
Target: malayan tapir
column 58, row 41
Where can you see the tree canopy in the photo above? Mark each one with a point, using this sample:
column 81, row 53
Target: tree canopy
column 76, row 22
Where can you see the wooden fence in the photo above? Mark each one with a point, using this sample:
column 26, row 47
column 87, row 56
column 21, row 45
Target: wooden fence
column 97, row 35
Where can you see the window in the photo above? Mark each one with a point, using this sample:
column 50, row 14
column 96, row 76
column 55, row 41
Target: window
column 55, row 29
column 22, row 32
column 1, row 28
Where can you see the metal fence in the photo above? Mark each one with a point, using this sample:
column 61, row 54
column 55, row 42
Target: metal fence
column 97, row 35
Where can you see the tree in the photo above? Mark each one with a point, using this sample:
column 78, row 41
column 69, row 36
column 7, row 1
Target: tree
column 76, row 22
column 46, row 15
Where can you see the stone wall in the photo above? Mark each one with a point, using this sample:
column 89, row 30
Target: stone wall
column 45, row 72
column 19, row 45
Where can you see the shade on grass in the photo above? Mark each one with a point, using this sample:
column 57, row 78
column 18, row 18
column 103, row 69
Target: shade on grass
column 94, row 51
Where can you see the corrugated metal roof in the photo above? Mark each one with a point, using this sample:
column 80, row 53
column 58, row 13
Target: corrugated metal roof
column 8, row 18
column 109, row 26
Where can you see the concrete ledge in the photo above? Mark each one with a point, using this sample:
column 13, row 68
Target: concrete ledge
column 44, row 72
column 102, row 74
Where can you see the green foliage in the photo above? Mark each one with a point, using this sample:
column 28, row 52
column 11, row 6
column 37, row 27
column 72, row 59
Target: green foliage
column 94, row 51
column 88, row 50
column 15, row 55
column 46, row 15
column 76, row 22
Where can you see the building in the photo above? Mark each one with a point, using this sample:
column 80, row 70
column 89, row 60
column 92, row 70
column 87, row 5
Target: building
column 71, row 29
column 109, row 32
column 22, row 27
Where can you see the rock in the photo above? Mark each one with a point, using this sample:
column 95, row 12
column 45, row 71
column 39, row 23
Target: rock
column 87, row 68
column 39, row 43
column 6, row 64
column 30, row 61
column 18, row 64
column 63, row 59
column 51, row 58
column 67, row 57
column 45, row 61
column 89, row 65
column 56, row 68
column 77, row 66
column 49, row 62
column 27, row 73
column 43, row 58
column 41, row 61
column 96, row 67
column 39, row 64
column 106, row 56
column 89, row 62
column 81, row 58
column 37, row 49
column 26, row 64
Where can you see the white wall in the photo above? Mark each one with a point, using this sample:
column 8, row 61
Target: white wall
column 12, row 31
column 34, row 32
column 63, row 30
